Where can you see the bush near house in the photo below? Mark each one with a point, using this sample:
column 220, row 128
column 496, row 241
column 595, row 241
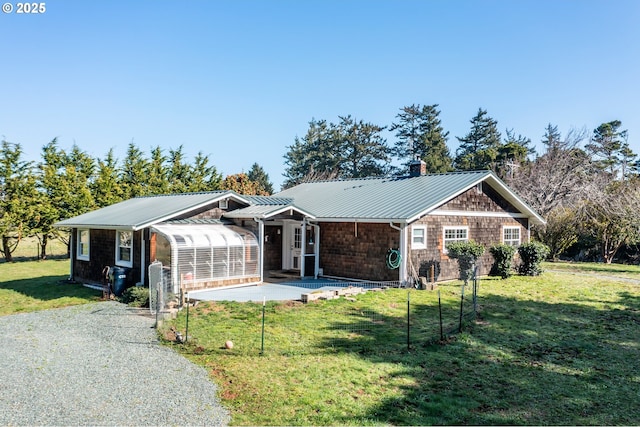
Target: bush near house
column 532, row 255
column 502, row 260
column 467, row 254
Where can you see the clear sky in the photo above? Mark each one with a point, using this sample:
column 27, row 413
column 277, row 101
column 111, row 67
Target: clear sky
column 239, row 80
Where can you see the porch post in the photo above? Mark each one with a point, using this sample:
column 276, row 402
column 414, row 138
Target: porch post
column 303, row 244
column 316, row 250
column 261, row 247
column 404, row 253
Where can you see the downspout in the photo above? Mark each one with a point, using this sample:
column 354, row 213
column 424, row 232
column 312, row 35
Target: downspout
column 260, row 246
column 402, row 274
column 528, row 230
column 316, row 249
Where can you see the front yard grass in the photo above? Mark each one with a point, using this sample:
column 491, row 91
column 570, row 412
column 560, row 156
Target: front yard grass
column 554, row 349
column 39, row 285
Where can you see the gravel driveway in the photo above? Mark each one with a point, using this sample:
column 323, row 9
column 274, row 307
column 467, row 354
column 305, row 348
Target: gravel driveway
column 98, row 364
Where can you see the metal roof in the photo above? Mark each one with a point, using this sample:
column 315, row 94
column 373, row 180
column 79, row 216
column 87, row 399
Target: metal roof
column 141, row 212
column 397, row 199
column 265, row 211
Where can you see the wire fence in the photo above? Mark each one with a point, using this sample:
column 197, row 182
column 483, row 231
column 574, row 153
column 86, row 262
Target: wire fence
column 361, row 317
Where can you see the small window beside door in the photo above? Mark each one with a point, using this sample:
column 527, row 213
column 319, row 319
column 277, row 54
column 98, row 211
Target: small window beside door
column 419, row 237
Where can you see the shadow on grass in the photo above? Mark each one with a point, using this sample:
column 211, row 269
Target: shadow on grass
column 48, row 288
column 522, row 362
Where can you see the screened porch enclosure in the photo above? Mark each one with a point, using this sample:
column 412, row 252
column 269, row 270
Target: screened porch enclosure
column 201, row 256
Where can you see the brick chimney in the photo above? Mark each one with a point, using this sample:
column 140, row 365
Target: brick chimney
column 417, row 167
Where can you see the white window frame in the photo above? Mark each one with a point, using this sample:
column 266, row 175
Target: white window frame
column 446, row 241
column 511, row 242
column 83, row 247
column 224, row 204
column 119, row 261
column 421, row 244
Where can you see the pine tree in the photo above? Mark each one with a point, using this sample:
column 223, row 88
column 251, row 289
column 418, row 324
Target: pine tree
column 364, row 150
column 420, row 134
column 258, row 175
column 480, row 147
column 608, row 147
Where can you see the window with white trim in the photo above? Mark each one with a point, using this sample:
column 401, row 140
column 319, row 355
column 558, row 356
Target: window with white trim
column 511, row 235
column 455, row 234
column 82, row 248
column 124, row 248
column 418, row 237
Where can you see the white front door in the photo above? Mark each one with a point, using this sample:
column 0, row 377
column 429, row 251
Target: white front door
column 296, row 246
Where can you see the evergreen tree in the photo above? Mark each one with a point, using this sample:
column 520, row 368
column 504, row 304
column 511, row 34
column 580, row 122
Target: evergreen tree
column 179, row 171
column 258, row 175
column 606, row 146
column 365, row 152
column 133, row 175
column 157, row 173
column 18, row 198
column 203, row 176
column 105, row 188
column 512, row 154
column 317, row 152
column 65, row 182
column 480, row 147
column 420, row 134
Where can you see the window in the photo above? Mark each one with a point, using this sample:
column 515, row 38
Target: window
column 124, row 248
column 224, row 204
column 455, row 234
column 511, row 236
column 418, row 237
column 83, row 245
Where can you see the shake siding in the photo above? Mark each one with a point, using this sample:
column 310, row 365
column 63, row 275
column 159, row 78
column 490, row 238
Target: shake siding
column 102, row 253
column 357, row 251
column 486, row 230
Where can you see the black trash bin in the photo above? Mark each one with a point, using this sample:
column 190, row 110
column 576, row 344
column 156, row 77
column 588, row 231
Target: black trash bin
column 119, row 279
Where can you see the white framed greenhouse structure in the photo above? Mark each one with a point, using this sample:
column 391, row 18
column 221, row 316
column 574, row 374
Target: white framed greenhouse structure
column 201, row 256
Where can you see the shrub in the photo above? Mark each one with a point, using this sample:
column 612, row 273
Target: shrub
column 137, row 296
column 532, row 254
column 502, row 260
column 467, row 254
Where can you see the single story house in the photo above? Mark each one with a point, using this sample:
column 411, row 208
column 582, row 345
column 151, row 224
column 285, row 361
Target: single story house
column 379, row 229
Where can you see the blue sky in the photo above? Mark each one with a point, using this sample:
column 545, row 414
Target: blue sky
column 239, row 80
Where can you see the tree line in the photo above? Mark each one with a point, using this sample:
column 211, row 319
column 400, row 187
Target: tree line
column 585, row 184
column 63, row 184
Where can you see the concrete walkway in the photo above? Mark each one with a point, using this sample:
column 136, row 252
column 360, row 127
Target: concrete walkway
column 285, row 291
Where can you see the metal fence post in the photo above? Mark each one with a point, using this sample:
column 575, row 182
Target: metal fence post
column 408, row 320
column 461, row 307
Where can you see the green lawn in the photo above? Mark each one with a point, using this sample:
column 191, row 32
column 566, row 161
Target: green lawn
column 561, row 348
column 555, row 349
column 39, row 285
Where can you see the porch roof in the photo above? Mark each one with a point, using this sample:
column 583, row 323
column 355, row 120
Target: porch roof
column 266, row 211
